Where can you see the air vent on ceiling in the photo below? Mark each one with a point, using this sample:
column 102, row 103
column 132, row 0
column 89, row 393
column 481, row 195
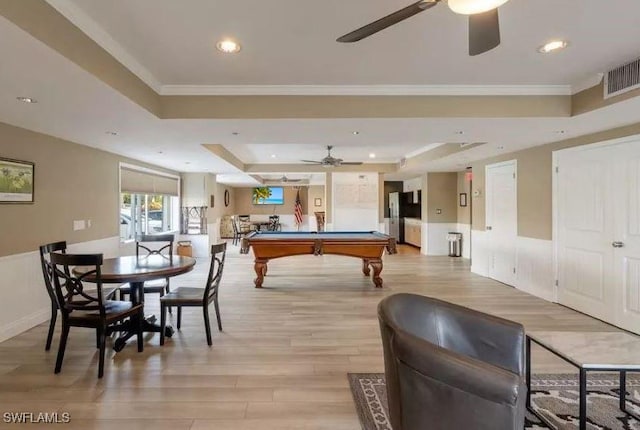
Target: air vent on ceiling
column 622, row 79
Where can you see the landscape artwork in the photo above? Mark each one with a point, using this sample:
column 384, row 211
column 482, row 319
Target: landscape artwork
column 16, row 181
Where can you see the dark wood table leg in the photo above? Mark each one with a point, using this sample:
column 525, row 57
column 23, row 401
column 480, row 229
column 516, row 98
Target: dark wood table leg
column 365, row 267
column 129, row 327
column 583, row 400
column 623, row 391
column 260, row 267
column 376, row 265
column 528, row 370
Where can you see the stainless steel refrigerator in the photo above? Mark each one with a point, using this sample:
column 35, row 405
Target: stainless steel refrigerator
column 394, row 216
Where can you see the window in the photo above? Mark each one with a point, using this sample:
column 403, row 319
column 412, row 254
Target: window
column 147, row 214
column 149, row 202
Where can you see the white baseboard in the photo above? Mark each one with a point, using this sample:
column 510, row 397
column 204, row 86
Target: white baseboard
column 534, row 267
column 25, row 302
column 434, row 242
column 479, row 253
column 465, row 229
column 534, row 264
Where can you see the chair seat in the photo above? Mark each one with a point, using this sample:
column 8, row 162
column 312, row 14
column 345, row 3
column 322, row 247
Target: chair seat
column 114, row 310
column 107, row 292
column 154, row 286
column 183, row 295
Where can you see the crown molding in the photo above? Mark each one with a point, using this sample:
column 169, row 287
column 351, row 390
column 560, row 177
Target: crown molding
column 92, row 29
column 366, row 90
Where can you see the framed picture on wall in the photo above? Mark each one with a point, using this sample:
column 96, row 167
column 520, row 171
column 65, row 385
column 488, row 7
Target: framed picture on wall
column 317, row 201
column 16, row 181
column 463, row 200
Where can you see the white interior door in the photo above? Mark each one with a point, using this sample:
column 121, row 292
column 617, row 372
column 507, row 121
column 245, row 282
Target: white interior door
column 626, row 193
column 584, row 231
column 502, row 220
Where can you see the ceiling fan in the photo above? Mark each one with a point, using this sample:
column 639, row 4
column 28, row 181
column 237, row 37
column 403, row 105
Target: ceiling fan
column 330, row 161
column 283, row 179
column 484, row 25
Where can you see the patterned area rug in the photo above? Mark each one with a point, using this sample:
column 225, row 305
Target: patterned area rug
column 554, row 396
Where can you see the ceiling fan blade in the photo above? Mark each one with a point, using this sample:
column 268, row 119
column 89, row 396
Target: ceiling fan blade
column 387, row 21
column 311, row 161
column 484, row 32
column 351, row 163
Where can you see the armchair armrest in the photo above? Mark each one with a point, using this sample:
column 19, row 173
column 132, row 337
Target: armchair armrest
column 492, row 383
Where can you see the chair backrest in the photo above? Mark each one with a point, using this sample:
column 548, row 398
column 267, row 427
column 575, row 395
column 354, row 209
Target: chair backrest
column 168, row 238
column 244, row 218
column 274, row 220
column 47, row 273
column 69, row 287
column 234, row 223
column 218, row 253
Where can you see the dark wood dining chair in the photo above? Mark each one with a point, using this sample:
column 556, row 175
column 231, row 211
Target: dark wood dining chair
column 80, row 308
column 274, row 223
column 47, row 274
column 244, row 224
column 156, row 286
column 197, row 297
column 236, row 230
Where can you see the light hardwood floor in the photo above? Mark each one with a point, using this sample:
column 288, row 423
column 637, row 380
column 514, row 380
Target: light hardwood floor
column 281, row 361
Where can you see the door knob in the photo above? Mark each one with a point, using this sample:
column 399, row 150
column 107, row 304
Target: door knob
column 617, row 244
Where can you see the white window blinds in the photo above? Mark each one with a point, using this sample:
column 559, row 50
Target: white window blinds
column 143, row 182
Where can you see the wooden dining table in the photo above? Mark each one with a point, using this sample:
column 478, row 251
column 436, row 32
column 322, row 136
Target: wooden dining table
column 135, row 271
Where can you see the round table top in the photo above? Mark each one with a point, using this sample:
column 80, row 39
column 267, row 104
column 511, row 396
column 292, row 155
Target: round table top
column 140, row 269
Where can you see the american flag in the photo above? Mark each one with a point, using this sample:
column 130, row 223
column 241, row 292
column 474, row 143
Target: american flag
column 297, row 210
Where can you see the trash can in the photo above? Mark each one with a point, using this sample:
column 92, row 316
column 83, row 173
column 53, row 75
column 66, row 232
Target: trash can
column 184, row 248
column 455, row 244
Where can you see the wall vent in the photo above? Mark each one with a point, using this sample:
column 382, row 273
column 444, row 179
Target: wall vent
column 622, row 79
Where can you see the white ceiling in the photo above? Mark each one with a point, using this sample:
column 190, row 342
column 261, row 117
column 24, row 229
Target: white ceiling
column 286, row 42
column 76, row 106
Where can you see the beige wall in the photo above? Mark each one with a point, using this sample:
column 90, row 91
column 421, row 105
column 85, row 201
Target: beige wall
column 534, row 182
column 464, row 213
column 315, row 192
column 442, row 194
column 244, row 202
column 72, row 182
column 220, row 210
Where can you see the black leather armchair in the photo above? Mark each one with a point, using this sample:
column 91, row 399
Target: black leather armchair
column 449, row 367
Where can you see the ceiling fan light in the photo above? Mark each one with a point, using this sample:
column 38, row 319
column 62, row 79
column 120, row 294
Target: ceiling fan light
column 472, row 7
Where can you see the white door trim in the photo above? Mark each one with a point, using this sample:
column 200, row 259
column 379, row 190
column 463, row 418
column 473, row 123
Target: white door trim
column 514, row 163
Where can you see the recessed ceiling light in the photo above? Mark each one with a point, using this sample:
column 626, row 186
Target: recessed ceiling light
column 459, row 132
column 187, row 162
column 500, row 147
column 228, row 46
column 26, row 100
column 372, row 155
column 235, row 133
column 160, row 152
column 355, row 132
column 553, row 46
column 560, row 131
column 273, row 155
column 111, row 133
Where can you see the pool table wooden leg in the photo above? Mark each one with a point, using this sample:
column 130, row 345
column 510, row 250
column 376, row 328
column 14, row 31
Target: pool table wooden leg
column 365, row 267
column 377, row 268
column 260, row 267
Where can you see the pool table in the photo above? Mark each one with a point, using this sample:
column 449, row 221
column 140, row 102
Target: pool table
column 367, row 245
